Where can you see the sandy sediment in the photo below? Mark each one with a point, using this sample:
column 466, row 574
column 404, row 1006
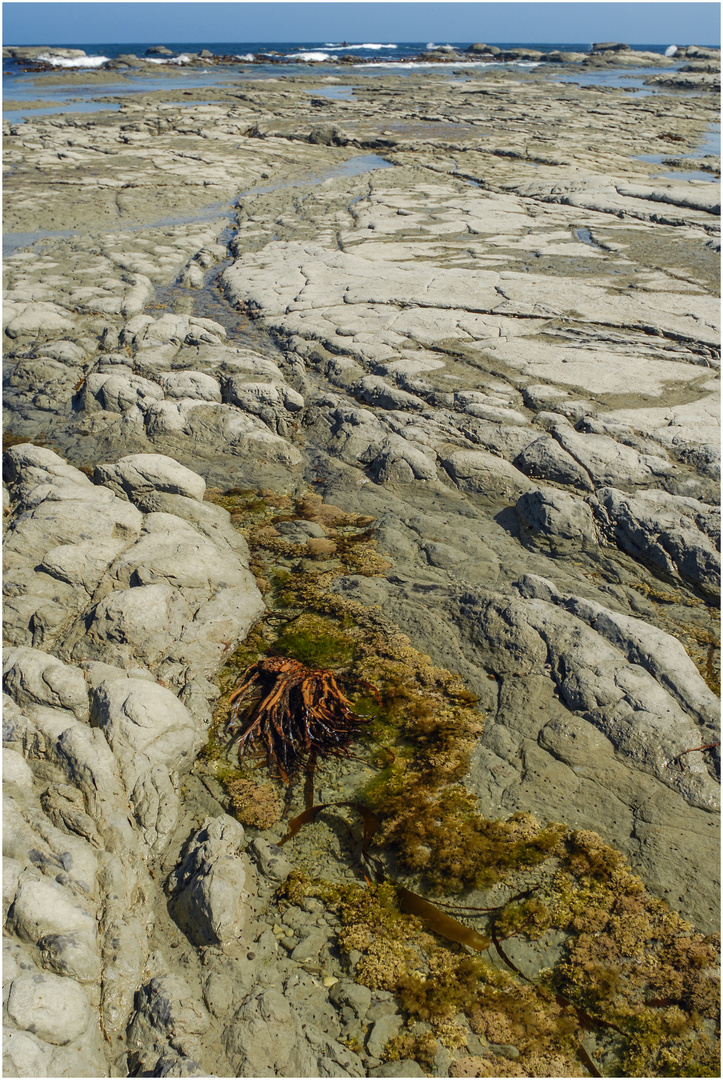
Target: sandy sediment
column 464, row 307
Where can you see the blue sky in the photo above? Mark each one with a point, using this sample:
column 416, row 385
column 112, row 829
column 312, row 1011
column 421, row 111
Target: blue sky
column 61, row 23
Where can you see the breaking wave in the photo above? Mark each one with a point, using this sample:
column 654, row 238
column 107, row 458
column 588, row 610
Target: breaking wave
column 309, row 57
column 73, row 62
column 366, row 45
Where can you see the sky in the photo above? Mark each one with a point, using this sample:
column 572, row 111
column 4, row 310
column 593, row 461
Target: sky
column 93, row 22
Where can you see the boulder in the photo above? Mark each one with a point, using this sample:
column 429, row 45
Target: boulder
column 118, row 392
column 190, row 384
column 546, row 459
column 213, row 883
column 485, row 474
column 557, row 516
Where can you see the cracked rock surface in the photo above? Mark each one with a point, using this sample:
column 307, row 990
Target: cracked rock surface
column 473, row 313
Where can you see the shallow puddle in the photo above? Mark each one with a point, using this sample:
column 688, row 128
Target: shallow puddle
column 355, row 166
column 20, row 115
column 336, row 93
column 630, row 78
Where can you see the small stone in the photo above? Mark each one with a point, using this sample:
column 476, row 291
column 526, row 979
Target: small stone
column 270, row 859
column 383, row 1030
column 404, row 1067
column 329, row 981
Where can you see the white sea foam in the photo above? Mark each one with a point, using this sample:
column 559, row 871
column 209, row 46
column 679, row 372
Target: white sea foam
column 446, row 63
column 182, row 59
column 74, row 62
column 366, row 45
column 246, row 56
column 309, row 57
column 671, row 50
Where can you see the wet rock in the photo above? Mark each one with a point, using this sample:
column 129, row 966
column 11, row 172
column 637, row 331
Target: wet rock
column 348, row 993
column 403, row 1067
column 270, row 859
column 383, row 1029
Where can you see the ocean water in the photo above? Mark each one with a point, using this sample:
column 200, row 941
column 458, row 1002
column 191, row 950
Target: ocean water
column 258, row 59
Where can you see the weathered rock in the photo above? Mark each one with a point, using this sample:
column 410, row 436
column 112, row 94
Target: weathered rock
column 545, row 458
column 443, row 316
column 44, row 915
column 119, row 393
column 156, row 806
column 679, row 536
column 557, row 516
column 213, row 883
column 383, row 1029
column 32, row 676
column 146, row 725
column 270, row 859
column 138, row 474
column 264, row 1038
column 167, row 1016
column 484, row 474
column 55, row 1009
column 404, row 1067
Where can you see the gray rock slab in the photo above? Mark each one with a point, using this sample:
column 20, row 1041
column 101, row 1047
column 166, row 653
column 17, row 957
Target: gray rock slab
column 557, row 516
column 679, row 536
column 482, row 473
column 138, row 474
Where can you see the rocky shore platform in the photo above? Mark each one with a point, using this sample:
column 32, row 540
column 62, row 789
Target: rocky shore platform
column 414, row 382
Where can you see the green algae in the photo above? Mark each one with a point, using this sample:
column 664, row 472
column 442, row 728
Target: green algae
column 315, row 642
column 632, row 972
